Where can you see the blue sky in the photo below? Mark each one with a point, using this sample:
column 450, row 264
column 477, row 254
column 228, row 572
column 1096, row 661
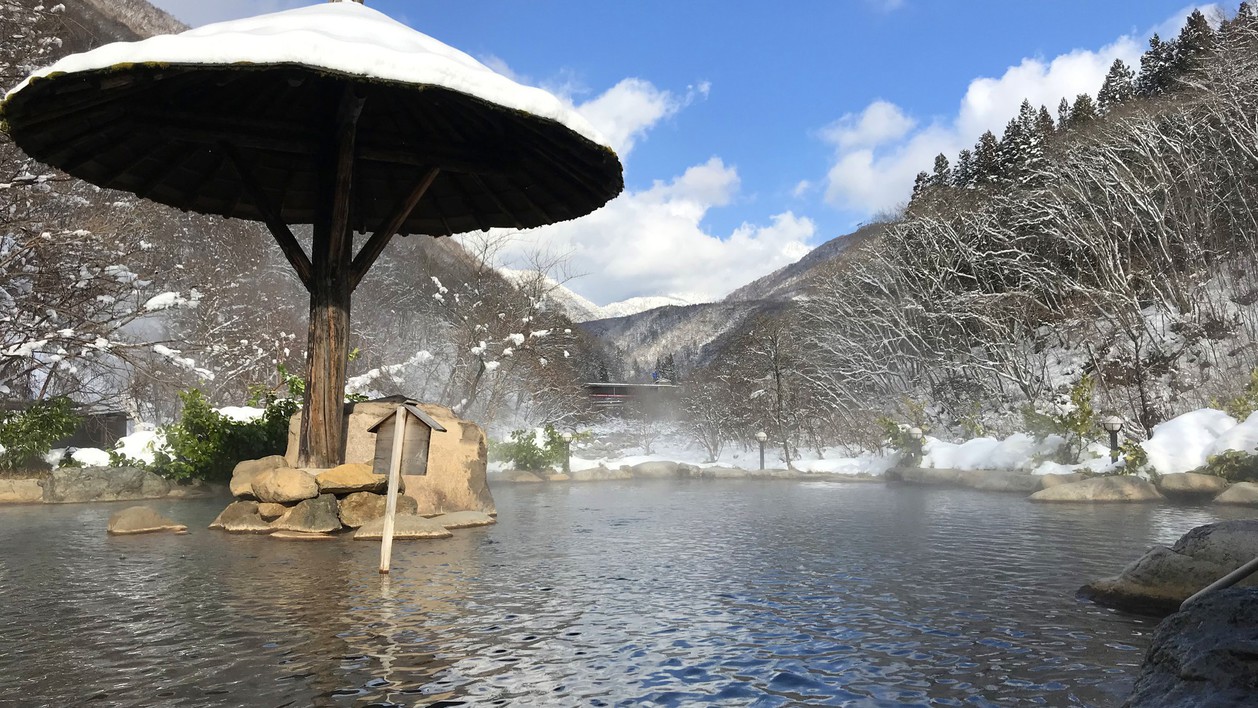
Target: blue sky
column 753, row 131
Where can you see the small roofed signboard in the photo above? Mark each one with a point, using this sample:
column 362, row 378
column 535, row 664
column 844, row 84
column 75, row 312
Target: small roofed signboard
column 417, row 428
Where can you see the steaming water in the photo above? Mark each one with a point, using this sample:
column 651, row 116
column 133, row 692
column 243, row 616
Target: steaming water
column 739, row 593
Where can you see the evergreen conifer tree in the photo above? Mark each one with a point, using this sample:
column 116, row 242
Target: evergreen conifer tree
column 1083, row 111
column 1196, row 41
column 1157, row 68
column 963, row 175
column 942, row 174
column 1044, row 123
column 1063, row 114
column 1120, row 85
column 987, row 160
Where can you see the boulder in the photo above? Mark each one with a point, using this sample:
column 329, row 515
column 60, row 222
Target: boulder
column 405, row 527
column 141, row 519
column 360, row 507
column 302, row 536
column 284, row 484
column 241, row 484
column 90, row 484
column 1191, row 486
column 558, row 477
column 241, row 517
column 1118, row 488
column 655, row 470
column 519, row 476
column 999, row 481
column 465, row 519
column 1158, row 581
column 598, row 474
column 193, row 489
column 1048, row 481
column 1203, row 656
column 1245, row 493
column 353, row 477
column 270, row 511
column 317, row 515
column 457, row 458
column 724, row 473
column 929, row 475
column 21, row 491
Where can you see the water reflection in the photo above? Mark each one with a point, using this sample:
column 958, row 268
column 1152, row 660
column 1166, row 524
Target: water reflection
column 764, row 593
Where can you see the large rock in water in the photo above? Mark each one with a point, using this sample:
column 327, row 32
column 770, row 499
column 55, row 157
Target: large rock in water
column 1206, row 655
column 456, row 458
column 91, row 484
column 1191, row 486
column 1245, row 493
column 465, row 519
column 1119, row 488
column 21, row 491
column 241, row 517
column 141, row 519
column 353, row 477
column 360, row 507
column 656, row 470
column 1158, row 581
column 318, row 515
column 284, row 484
column 405, row 527
column 241, row 484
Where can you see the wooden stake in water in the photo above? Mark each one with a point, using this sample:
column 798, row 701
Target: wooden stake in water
column 395, row 478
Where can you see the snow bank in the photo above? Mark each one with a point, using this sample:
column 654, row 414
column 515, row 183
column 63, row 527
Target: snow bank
column 342, row 37
column 1016, row 452
column 1182, row 444
column 240, row 414
column 91, row 457
column 141, row 445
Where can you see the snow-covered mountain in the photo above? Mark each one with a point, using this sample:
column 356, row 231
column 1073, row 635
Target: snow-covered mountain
column 581, row 309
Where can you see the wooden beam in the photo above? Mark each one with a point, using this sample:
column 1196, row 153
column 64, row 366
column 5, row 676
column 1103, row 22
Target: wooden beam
column 371, row 250
column 293, row 251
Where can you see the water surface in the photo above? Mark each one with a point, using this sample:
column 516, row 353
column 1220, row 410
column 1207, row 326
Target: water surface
column 621, row 593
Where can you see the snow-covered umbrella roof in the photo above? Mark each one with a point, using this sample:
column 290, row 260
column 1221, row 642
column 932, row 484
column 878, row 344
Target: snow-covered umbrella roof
column 154, row 117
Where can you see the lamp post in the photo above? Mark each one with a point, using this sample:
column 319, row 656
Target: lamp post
column 1114, row 425
column 761, row 436
column 917, row 435
column 567, row 451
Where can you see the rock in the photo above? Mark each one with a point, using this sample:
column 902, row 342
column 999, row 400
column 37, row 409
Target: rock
column 21, row 491
column 929, row 475
column 724, row 473
column 598, row 474
column 519, row 476
column 317, row 515
column 655, row 470
column 353, row 477
column 360, row 507
column 405, row 527
column 193, row 489
column 1240, row 493
column 1048, row 481
column 241, row 484
column 89, row 484
column 141, row 519
column 270, row 511
column 1118, row 488
column 558, row 477
column 999, row 481
column 241, row 517
column 1203, row 656
column 465, row 519
column 1158, row 581
column 284, row 484
column 457, row 458
column 1190, row 485
column 302, row 536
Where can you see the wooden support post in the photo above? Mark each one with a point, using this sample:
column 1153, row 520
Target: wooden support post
column 327, row 346
column 395, row 479
column 370, row 251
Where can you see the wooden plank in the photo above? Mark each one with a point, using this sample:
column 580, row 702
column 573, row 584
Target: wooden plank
column 371, row 250
column 390, row 500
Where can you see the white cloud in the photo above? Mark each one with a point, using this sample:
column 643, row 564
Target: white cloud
column 653, row 241
column 880, row 150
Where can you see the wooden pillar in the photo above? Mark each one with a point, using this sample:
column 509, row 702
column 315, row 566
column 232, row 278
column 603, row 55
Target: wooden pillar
column 327, row 344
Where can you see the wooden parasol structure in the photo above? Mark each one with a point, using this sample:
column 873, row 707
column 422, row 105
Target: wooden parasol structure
column 332, row 115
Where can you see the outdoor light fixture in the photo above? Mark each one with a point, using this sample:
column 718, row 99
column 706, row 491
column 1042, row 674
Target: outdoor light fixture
column 761, row 436
column 1114, row 425
column 916, row 433
column 567, row 451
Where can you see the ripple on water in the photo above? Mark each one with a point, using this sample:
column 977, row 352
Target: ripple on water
column 668, row 593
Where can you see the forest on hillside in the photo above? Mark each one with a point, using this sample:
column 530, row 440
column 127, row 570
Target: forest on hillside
column 1113, row 239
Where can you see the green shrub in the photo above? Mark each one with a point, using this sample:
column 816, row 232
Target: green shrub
column 523, row 452
column 28, row 435
column 1247, row 402
column 902, row 441
column 206, row 445
column 1233, row 465
column 1076, row 425
column 1137, row 460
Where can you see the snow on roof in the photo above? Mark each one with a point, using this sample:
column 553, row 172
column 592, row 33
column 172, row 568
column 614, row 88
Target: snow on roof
column 342, row 37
